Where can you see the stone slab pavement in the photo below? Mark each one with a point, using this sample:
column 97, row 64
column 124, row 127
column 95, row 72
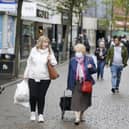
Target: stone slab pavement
column 108, row 111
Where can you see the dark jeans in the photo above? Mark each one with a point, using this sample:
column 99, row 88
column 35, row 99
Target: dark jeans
column 100, row 68
column 38, row 92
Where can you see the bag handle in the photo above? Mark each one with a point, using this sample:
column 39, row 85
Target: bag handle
column 49, row 51
column 65, row 92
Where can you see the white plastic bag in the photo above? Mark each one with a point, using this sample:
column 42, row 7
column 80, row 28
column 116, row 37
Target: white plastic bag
column 21, row 95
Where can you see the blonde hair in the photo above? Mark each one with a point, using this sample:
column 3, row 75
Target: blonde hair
column 41, row 40
column 80, row 48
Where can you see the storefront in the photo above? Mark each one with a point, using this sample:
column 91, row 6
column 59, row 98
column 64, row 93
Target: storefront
column 1, row 35
column 40, row 17
column 7, row 43
column 27, row 38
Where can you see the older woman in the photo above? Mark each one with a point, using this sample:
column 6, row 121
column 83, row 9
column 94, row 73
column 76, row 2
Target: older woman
column 38, row 77
column 80, row 69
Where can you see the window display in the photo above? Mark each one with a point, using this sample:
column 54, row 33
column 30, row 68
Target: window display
column 27, row 41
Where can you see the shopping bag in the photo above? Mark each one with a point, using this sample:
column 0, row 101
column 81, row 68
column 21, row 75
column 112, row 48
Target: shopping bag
column 21, row 95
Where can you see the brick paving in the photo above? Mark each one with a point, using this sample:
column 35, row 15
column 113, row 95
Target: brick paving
column 108, row 111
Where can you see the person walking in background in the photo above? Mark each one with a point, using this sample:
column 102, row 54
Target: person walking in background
column 84, row 39
column 40, row 31
column 117, row 56
column 38, row 77
column 100, row 53
column 89, row 54
column 80, row 69
column 125, row 41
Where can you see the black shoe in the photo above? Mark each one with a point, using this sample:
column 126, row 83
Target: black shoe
column 113, row 90
column 102, row 78
column 117, row 90
column 77, row 122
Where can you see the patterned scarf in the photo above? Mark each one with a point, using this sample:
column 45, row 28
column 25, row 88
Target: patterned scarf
column 80, row 72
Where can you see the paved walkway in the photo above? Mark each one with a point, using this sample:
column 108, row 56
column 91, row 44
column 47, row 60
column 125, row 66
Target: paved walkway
column 108, row 111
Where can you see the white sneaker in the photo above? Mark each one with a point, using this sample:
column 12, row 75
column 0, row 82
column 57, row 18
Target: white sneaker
column 40, row 118
column 32, row 116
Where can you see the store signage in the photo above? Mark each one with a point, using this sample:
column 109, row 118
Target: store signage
column 29, row 9
column 43, row 14
column 8, row 5
column 7, row 1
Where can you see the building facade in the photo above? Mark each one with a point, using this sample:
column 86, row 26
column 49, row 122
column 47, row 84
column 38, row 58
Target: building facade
column 35, row 16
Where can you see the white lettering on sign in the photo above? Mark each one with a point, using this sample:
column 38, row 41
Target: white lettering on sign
column 4, row 67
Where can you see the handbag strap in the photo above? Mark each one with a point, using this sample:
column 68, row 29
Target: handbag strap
column 49, row 51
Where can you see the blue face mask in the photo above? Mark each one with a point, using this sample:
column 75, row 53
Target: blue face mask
column 79, row 54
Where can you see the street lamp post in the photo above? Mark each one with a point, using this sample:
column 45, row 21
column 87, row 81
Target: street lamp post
column 71, row 21
column 17, row 41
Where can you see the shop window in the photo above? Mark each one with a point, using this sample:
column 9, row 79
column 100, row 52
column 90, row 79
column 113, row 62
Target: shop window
column 1, row 31
column 10, row 32
column 27, row 41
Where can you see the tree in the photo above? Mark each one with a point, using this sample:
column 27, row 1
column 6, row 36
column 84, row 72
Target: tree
column 17, row 38
column 80, row 6
column 108, row 15
column 71, row 7
column 124, row 6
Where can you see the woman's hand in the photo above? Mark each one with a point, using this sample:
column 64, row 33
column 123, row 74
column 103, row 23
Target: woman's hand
column 89, row 66
column 49, row 57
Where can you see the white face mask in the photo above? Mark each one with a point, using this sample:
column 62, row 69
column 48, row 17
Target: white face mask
column 79, row 54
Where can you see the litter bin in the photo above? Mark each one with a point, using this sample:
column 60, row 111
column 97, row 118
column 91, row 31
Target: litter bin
column 7, row 65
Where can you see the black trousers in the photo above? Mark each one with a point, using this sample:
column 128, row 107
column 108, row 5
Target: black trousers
column 38, row 92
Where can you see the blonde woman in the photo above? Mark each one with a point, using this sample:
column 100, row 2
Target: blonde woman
column 38, row 77
column 80, row 69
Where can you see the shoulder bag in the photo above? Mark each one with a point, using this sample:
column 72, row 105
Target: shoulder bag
column 52, row 71
column 86, row 87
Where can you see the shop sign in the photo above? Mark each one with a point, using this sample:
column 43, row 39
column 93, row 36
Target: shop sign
column 43, row 14
column 65, row 18
column 8, row 5
column 29, row 9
